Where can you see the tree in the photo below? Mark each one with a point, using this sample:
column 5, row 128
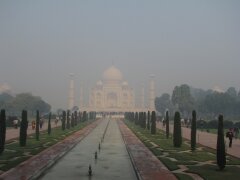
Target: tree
column 232, row 92
column 84, row 116
column 75, row 118
column 167, row 125
column 68, row 119
column 49, row 123
column 2, row 130
column 193, row 131
column 177, row 132
column 72, row 120
column 136, row 118
column 182, row 98
column 144, row 120
column 148, row 120
column 163, row 102
column 221, row 154
column 64, row 120
column 153, row 123
column 28, row 102
column 23, row 129
column 37, row 125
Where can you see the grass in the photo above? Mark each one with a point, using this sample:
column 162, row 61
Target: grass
column 173, row 157
column 14, row 154
column 183, row 176
column 212, row 172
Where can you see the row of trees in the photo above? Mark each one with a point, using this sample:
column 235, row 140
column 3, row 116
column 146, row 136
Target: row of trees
column 15, row 104
column 143, row 119
column 208, row 103
column 140, row 119
column 72, row 120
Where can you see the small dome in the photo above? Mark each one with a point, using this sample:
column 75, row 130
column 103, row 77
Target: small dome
column 112, row 74
column 125, row 83
column 99, row 83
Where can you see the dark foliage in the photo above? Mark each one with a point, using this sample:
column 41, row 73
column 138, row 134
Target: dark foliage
column 193, row 131
column 221, row 154
column 177, row 132
column 23, row 129
column 2, row 130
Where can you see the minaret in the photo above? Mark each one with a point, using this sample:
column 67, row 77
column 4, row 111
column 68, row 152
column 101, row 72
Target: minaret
column 81, row 98
column 152, row 93
column 142, row 97
column 71, row 92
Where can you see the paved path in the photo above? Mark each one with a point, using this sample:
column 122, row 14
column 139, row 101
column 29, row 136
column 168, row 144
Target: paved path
column 208, row 139
column 147, row 165
column 113, row 162
column 12, row 133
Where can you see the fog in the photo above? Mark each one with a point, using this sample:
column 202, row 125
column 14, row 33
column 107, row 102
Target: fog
column 192, row 42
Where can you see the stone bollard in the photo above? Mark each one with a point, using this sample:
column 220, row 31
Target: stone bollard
column 89, row 170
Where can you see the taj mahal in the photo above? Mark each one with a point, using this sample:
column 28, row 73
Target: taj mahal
column 112, row 93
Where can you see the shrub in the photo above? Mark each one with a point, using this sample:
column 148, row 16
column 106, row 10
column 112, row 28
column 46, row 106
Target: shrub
column 23, row 129
column 221, row 154
column 153, row 123
column 64, row 120
column 167, row 125
column 193, row 131
column 2, row 130
column 136, row 118
column 49, row 123
column 68, row 119
column 177, row 132
column 148, row 120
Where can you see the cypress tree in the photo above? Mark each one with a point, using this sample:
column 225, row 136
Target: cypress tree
column 221, row 154
column 136, row 118
column 75, row 118
column 153, row 123
column 72, row 120
column 2, row 130
column 144, row 120
column 193, row 130
column 84, row 116
column 80, row 116
column 23, row 129
column 37, row 126
column 177, row 134
column 68, row 119
column 49, row 123
column 148, row 120
column 64, row 120
column 167, row 125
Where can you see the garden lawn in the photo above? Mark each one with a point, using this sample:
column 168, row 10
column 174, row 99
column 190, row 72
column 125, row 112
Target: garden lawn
column 201, row 162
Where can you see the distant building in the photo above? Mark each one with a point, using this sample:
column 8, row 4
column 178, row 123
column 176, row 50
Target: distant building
column 113, row 94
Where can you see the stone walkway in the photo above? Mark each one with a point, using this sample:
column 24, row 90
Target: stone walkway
column 208, row 139
column 147, row 166
column 33, row 167
column 12, row 133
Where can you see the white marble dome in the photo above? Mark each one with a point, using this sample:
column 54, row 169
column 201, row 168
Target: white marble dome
column 112, row 74
column 125, row 83
column 99, row 83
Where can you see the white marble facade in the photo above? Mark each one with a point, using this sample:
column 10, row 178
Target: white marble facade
column 112, row 93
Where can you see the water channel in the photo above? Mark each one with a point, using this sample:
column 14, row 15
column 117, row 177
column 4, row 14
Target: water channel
column 112, row 163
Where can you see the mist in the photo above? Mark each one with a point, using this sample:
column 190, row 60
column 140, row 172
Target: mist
column 180, row 42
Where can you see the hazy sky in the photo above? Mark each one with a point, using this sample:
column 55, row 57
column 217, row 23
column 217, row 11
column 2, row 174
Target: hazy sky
column 187, row 41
